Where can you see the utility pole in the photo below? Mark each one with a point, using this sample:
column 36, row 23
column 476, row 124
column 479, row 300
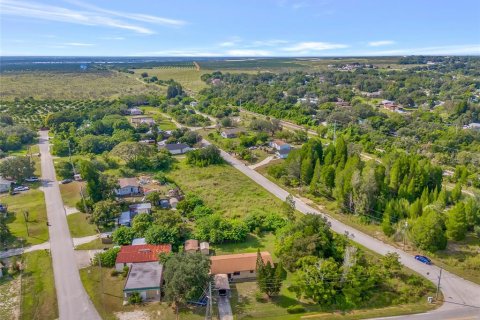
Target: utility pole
column 405, row 234
column 70, row 158
column 25, row 216
column 210, row 297
column 438, row 284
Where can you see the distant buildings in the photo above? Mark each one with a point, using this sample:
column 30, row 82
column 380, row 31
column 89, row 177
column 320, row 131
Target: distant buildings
column 473, row 126
column 128, row 187
column 230, row 133
column 139, row 120
column 175, row 148
column 135, row 112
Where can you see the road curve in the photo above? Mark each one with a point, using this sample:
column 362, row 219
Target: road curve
column 73, row 301
column 462, row 297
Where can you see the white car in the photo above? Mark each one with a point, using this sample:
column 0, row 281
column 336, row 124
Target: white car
column 32, row 179
column 21, row 188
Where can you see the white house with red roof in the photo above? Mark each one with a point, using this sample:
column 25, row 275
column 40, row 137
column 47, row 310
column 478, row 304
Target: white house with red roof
column 129, row 255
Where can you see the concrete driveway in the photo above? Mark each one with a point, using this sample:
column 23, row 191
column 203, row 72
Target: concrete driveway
column 224, row 309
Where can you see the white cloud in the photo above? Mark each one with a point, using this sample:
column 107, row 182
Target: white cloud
column 113, row 38
column 381, row 43
column 79, row 44
column 268, row 43
column 179, row 53
column 248, row 53
column 95, row 17
column 308, row 47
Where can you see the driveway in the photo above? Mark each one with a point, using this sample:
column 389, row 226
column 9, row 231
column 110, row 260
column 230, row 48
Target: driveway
column 73, row 301
column 224, row 309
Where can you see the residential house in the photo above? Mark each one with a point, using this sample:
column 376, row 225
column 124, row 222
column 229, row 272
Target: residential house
column 147, row 141
column 230, row 133
column 125, row 219
column 205, row 248
column 130, row 255
column 135, row 112
column 5, row 185
column 193, row 104
column 128, row 187
column 280, row 145
column 473, row 126
column 146, row 279
column 175, row 148
column 136, row 208
column 139, row 120
column 240, row 266
column 138, row 241
column 191, row 246
column 282, row 153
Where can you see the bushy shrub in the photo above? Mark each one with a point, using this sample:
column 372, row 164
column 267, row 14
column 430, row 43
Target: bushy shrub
column 106, row 258
column 135, row 298
column 296, row 309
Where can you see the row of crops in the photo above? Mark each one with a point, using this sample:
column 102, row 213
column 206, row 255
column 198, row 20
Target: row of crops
column 32, row 112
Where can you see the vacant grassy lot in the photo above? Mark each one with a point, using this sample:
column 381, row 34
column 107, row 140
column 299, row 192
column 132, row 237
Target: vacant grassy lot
column 224, row 189
column 162, row 122
column 39, row 299
column 9, row 297
column 189, row 78
column 71, row 193
column 264, row 242
column 79, row 225
column 74, row 85
column 32, row 201
column 107, row 296
column 95, row 244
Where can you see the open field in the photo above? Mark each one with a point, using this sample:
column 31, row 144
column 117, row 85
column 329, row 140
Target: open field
column 32, row 201
column 235, row 194
column 79, row 226
column 10, row 297
column 71, row 85
column 108, row 298
column 162, row 122
column 189, row 78
column 71, row 193
column 38, row 294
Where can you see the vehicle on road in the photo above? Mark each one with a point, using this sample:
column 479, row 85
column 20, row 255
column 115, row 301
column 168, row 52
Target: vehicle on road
column 423, row 259
column 32, row 179
column 21, row 188
column 65, row 181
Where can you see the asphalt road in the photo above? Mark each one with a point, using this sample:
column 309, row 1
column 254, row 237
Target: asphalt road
column 462, row 297
column 73, row 301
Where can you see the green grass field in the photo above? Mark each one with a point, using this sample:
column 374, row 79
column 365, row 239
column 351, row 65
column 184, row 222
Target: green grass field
column 62, row 86
column 79, row 225
column 39, row 299
column 235, row 194
column 189, row 78
column 32, row 201
column 71, row 193
column 162, row 122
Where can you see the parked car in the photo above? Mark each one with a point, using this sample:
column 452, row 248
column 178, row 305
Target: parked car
column 32, row 179
column 423, row 259
column 65, row 181
column 21, row 188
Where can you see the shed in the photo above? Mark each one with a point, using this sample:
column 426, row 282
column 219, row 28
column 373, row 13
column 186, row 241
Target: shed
column 205, row 248
column 173, row 202
column 191, row 246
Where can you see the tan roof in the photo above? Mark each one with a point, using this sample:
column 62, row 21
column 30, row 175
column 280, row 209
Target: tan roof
column 221, row 282
column 231, row 263
column 279, row 142
column 128, row 182
column 191, row 244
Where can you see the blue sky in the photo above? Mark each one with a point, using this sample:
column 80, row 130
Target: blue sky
column 239, row 28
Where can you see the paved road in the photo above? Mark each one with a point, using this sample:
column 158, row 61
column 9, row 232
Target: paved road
column 224, row 309
column 19, row 251
column 462, row 297
column 457, row 292
column 73, row 301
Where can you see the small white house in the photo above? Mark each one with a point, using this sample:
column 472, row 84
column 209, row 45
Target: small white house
column 139, row 120
column 135, row 112
column 175, row 148
column 128, row 187
column 280, row 145
column 5, row 185
column 137, row 208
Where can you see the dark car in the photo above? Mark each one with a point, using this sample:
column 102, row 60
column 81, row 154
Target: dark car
column 65, row 181
column 423, row 259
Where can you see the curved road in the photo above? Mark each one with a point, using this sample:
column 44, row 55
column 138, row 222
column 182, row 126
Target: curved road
column 462, row 297
column 73, row 301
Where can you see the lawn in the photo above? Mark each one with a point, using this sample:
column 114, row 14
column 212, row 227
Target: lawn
column 39, row 299
column 79, row 225
column 162, row 122
column 71, row 193
column 245, row 305
column 264, row 242
column 32, row 201
column 97, row 281
column 224, row 189
column 70, row 85
column 93, row 245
